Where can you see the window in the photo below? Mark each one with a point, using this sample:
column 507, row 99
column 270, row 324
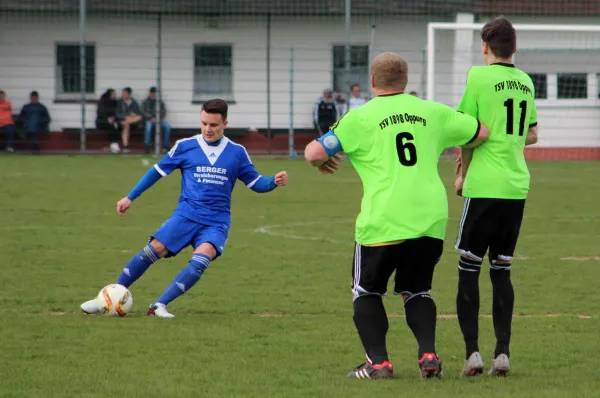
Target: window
column 359, row 67
column 572, row 85
column 213, row 74
column 540, row 84
column 68, row 71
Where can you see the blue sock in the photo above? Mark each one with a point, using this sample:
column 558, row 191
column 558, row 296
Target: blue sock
column 137, row 266
column 186, row 278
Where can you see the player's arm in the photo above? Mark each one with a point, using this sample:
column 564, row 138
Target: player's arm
column 343, row 136
column 166, row 166
column 532, row 133
column 532, row 136
column 323, row 152
column 257, row 182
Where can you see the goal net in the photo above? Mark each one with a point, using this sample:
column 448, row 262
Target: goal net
column 563, row 63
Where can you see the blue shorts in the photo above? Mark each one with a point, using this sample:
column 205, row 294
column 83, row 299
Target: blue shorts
column 178, row 232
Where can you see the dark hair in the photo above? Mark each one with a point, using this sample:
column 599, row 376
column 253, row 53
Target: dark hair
column 354, row 85
column 106, row 95
column 128, row 89
column 34, row 94
column 216, row 106
column 2, row 92
column 500, row 36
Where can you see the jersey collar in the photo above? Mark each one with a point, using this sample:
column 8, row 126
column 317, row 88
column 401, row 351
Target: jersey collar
column 391, row 95
column 212, row 152
column 504, row 64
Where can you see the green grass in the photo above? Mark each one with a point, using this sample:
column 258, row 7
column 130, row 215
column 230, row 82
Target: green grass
column 273, row 316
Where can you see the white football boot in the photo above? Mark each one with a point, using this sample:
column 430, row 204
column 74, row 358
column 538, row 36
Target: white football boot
column 473, row 365
column 500, row 366
column 159, row 310
column 91, row 307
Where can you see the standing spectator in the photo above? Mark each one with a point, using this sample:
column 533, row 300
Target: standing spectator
column 326, row 112
column 7, row 124
column 35, row 119
column 149, row 109
column 106, row 122
column 356, row 99
column 128, row 114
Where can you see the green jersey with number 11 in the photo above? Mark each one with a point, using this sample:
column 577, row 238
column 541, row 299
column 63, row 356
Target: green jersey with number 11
column 502, row 98
column 394, row 142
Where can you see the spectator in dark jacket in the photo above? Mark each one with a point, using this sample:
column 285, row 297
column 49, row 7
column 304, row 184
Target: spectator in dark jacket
column 128, row 114
column 149, row 110
column 326, row 112
column 35, row 119
column 106, row 122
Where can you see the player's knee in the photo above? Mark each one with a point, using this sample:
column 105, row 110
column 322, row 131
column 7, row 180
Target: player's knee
column 469, row 265
column 207, row 249
column 160, row 249
column 408, row 297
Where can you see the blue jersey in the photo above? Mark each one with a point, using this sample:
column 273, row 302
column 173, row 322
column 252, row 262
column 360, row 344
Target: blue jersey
column 208, row 176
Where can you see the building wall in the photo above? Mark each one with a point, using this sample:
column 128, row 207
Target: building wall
column 126, row 56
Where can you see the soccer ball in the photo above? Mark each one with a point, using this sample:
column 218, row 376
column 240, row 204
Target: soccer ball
column 115, row 300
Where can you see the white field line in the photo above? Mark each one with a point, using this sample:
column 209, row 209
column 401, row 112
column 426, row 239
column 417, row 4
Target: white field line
column 439, row 316
column 274, row 230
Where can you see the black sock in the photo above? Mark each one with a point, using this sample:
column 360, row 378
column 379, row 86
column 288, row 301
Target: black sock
column 502, row 308
column 467, row 306
column 372, row 326
column 420, row 316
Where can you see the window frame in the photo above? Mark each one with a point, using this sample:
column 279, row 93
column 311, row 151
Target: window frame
column 62, row 96
column 552, row 100
column 364, row 86
column 200, row 98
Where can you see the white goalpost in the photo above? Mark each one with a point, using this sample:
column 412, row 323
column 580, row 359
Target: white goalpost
column 433, row 27
column 562, row 60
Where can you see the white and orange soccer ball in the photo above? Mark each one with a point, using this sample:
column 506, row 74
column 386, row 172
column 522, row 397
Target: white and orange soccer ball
column 115, row 300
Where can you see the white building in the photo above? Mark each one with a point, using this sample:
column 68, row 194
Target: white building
column 226, row 57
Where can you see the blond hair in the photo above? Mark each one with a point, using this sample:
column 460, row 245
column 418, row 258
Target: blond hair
column 389, row 71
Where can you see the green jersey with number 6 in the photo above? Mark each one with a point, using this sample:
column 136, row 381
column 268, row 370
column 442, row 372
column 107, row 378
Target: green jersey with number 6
column 502, row 98
column 394, row 142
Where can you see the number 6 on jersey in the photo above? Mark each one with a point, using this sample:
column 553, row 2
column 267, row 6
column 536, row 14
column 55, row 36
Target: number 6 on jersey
column 406, row 147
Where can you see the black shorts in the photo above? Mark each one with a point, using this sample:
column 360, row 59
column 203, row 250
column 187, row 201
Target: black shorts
column 413, row 260
column 492, row 224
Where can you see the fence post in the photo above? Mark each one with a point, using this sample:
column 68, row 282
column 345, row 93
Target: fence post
column 82, row 71
column 158, row 124
column 348, row 50
column 268, row 60
column 292, row 149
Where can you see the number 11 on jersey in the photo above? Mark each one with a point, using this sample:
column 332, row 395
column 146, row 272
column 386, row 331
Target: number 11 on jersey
column 510, row 116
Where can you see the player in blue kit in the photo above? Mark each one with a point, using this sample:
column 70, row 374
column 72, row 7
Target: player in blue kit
column 210, row 164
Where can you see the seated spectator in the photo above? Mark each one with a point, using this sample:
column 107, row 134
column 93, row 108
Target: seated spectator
column 7, row 124
column 128, row 115
column 106, row 122
column 149, row 109
column 35, row 119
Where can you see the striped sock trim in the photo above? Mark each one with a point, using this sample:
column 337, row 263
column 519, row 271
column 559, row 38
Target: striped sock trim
column 151, row 254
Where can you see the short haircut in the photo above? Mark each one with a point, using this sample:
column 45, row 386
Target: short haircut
column 500, row 36
column 216, row 106
column 389, row 71
column 2, row 92
column 128, row 89
column 34, row 94
column 354, row 85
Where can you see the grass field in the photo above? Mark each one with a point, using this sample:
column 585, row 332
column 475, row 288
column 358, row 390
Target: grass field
column 273, row 316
